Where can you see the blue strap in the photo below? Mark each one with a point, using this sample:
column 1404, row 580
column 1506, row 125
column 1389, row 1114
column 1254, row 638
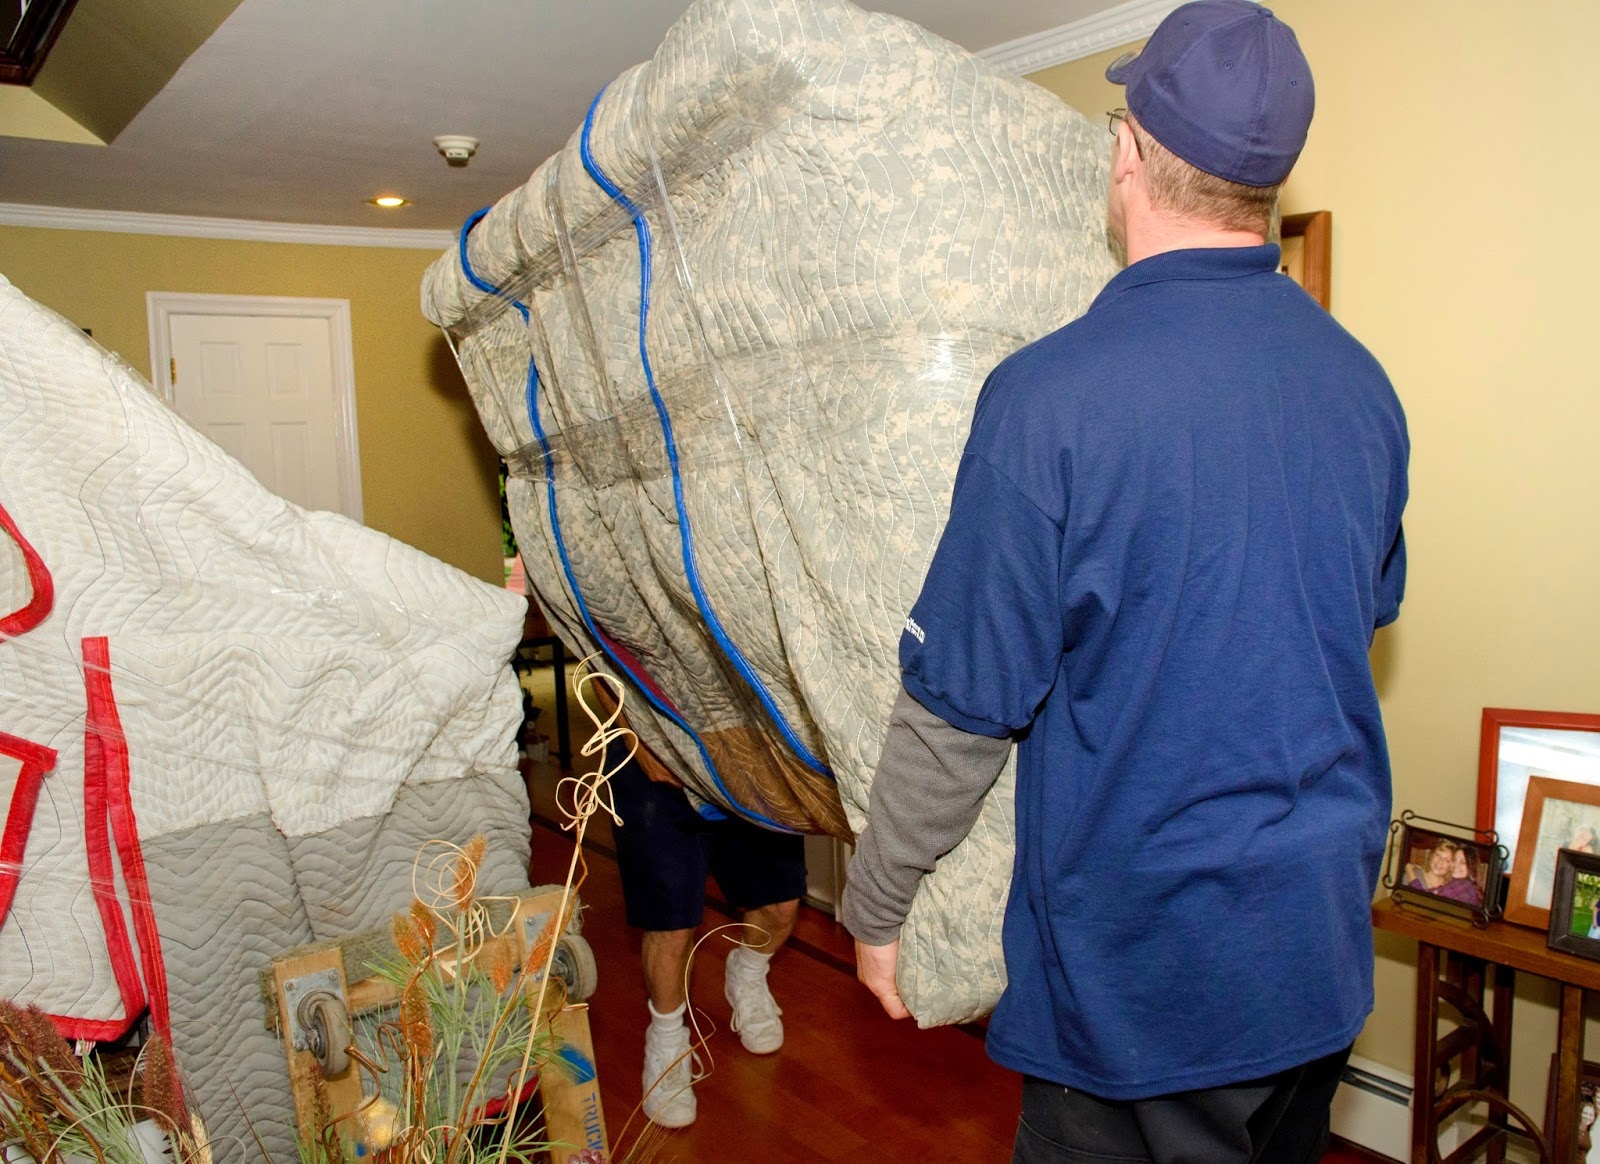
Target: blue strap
column 561, row 545
column 730, row 649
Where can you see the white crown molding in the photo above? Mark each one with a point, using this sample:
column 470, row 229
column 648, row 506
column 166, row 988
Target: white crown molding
column 239, row 229
column 1129, row 21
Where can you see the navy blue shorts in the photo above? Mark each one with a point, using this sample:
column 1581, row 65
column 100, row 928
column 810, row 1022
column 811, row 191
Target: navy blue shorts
column 665, row 849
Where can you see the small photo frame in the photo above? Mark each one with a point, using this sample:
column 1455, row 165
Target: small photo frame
column 1437, row 866
column 1575, row 904
column 1556, row 815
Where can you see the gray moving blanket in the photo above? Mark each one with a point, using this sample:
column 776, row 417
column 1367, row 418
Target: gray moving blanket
column 760, row 289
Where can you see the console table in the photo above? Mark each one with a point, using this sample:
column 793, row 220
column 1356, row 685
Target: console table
column 1455, row 962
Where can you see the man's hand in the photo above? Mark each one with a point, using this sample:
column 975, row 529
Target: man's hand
column 875, row 968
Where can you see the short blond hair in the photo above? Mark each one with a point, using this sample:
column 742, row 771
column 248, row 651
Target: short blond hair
column 1189, row 192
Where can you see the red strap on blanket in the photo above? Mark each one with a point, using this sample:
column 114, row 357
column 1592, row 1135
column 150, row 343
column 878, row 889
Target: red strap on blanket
column 106, row 800
column 630, row 663
column 105, row 779
column 20, row 622
column 38, row 762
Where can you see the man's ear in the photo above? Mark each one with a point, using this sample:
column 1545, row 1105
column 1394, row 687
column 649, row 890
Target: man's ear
column 1125, row 159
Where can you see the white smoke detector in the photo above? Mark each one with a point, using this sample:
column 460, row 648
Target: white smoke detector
column 456, row 148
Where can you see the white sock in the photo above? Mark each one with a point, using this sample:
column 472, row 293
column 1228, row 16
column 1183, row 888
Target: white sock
column 752, row 958
column 669, row 1022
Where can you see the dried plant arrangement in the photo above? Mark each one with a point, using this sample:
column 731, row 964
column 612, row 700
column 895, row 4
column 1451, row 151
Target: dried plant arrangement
column 59, row 1108
column 448, row 1074
column 436, row 1069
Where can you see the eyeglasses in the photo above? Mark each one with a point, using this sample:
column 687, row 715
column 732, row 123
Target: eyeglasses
column 1115, row 115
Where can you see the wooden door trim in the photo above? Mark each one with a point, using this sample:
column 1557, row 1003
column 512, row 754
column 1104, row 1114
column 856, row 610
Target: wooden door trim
column 162, row 305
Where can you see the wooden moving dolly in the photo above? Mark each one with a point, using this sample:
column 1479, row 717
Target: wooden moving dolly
column 314, row 993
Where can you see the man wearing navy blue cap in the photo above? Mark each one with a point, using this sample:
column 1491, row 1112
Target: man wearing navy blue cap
column 1175, row 528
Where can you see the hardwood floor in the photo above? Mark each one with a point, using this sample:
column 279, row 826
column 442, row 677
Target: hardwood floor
column 849, row 1084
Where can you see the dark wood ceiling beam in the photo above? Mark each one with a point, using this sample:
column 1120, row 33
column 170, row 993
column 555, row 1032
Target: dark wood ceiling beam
column 28, row 29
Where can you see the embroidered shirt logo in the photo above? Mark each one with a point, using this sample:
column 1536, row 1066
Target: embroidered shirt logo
column 914, row 630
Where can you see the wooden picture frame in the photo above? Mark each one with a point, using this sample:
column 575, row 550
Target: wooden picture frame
column 1557, row 815
column 1576, row 930
column 1307, row 243
column 1588, row 1108
column 1515, row 744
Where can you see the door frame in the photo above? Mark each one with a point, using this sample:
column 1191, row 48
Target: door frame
column 160, row 306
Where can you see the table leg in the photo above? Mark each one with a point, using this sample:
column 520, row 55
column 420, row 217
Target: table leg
column 563, row 732
column 1504, row 983
column 1424, row 1132
column 1569, row 1069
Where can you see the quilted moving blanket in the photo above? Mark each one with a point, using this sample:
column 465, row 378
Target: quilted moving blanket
column 227, row 725
column 728, row 341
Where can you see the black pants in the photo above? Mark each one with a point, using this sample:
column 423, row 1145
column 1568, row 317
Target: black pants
column 664, row 850
column 1282, row 1119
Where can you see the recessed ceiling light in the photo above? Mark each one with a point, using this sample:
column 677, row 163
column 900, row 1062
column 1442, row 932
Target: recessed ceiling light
column 389, row 201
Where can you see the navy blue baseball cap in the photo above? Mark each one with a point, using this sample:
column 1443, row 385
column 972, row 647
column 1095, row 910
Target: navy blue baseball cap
column 1223, row 84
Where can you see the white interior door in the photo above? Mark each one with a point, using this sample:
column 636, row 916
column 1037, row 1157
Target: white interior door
column 267, row 388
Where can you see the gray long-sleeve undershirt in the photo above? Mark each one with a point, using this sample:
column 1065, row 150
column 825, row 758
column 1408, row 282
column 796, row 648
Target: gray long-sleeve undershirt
column 930, row 783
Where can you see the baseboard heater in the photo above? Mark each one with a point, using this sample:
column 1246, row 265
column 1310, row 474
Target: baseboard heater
column 1372, row 1109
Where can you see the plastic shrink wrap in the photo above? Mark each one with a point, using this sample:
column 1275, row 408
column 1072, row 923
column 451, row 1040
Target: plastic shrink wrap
column 728, row 341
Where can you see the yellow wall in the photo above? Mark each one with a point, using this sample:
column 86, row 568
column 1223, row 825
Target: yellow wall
column 1083, row 85
column 1451, row 144
column 23, row 113
column 428, row 475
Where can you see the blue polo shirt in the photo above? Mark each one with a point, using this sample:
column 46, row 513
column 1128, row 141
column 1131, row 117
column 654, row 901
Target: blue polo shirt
column 1174, row 529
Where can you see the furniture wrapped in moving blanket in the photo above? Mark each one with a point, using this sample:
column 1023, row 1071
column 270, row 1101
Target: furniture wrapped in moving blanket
column 227, row 725
column 728, row 341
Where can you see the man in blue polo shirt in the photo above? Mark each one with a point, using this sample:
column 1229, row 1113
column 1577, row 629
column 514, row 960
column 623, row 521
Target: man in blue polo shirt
column 1175, row 528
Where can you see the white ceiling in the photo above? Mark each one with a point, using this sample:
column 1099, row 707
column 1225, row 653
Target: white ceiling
column 299, row 110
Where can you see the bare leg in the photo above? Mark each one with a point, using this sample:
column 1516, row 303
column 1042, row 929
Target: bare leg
column 666, row 959
column 772, row 926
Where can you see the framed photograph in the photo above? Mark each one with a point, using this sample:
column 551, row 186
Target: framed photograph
column 1556, row 815
column 1517, row 745
column 1443, row 870
column 1307, row 244
column 1588, row 1109
column 1575, row 904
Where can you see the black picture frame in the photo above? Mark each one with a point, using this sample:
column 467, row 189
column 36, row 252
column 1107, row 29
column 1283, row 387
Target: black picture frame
column 1414, row 840
column 1577, row 875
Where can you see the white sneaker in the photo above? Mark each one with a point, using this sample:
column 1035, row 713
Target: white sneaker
column 755, row 1011
column 669, row 1067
